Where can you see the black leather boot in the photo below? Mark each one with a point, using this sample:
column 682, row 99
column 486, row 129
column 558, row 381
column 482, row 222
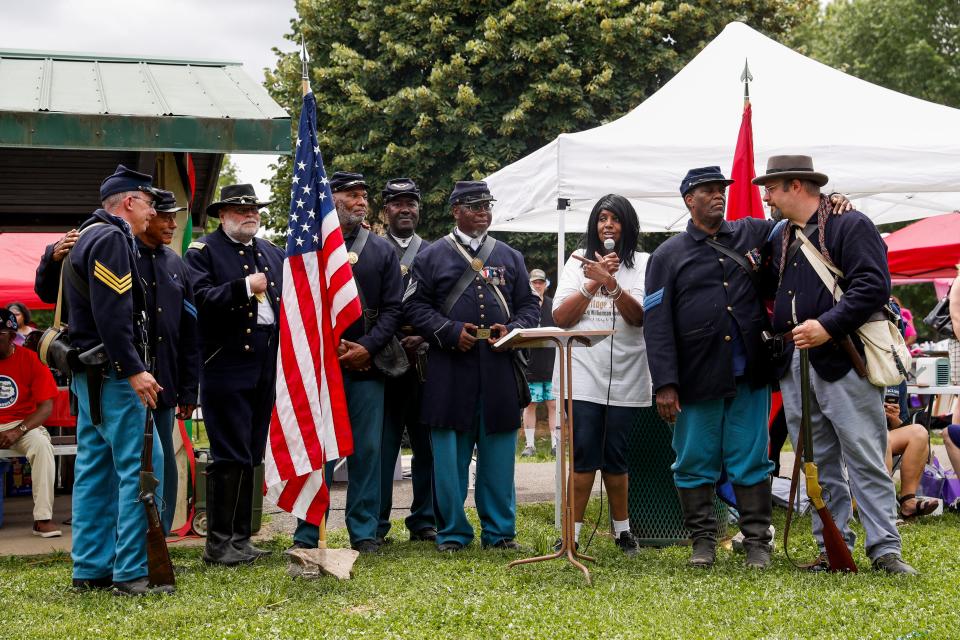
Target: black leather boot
column 701, row 521
column 243, row 515
column 223, row 485
column 755, row 504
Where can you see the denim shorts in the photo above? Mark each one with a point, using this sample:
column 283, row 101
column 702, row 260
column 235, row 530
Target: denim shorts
column 591, row 449
column 541, row 391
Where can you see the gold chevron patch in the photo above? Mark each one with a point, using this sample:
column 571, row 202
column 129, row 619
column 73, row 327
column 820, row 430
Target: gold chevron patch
column 112, row 280
column 197, row 245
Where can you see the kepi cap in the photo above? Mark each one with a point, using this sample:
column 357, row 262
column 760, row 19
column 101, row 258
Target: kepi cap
column 124, row 179
column 167, row 202
column 470, row 191
column 702, row 175
column 343, row 180
column 400, row 187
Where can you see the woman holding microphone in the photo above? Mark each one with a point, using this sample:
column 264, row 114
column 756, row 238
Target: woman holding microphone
column 601, row 287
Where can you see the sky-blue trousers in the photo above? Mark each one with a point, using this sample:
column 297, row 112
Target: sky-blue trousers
column 494, row 490
column 109, row 524
column 730, row 433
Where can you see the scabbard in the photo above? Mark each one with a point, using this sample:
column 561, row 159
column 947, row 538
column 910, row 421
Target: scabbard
column 95, row 393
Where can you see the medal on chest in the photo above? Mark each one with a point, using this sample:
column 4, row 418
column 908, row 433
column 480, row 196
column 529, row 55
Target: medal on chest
column 494, row 275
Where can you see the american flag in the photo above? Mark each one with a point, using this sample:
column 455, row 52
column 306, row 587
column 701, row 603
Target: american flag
column 310, row 423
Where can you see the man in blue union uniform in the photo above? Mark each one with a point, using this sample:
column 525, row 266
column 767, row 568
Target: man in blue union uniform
column 173, row 319
column 466, row 291
column 377, row 274
column 108, row 325
column 237, row 280
column 402, row 395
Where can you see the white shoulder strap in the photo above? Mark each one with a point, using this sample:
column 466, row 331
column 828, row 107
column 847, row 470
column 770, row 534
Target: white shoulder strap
column 827, row 271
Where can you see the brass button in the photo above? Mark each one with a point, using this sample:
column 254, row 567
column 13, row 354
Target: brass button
column 250, row 314
column 480, row 295
column 794, row 264
column 789, row 323
column 246, row 267
column 266, row 268
column 481, row 306
column 246, row 347
column 727, row 338
column 260, row 255
column 241, row 251
column 726, row 284
column 720, row 259
column 789, row 293
column 479, row 287
column 729, row 308
column 482, row 316
column 273, row 284
column 159, row 309
column 249, row 330
column 159, row 338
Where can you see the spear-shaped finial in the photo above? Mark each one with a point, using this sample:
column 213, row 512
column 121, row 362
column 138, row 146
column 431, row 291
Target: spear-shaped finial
column 746, row 78
column 303, row 62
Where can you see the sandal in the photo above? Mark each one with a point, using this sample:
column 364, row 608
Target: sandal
column 924, row 506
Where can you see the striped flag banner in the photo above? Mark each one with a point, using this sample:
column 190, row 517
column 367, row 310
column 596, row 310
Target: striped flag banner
column 310, row 424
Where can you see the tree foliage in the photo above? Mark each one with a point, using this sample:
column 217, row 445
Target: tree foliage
column 442, row 90
column 908, row 46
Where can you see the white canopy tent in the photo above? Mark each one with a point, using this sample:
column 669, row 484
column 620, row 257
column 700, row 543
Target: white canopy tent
column 897, row 157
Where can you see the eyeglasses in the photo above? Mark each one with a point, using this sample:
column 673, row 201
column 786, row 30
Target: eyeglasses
column 150, row 203
column 477, row 207
column 769, row 190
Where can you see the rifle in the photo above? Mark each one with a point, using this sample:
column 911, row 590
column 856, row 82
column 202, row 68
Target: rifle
column 838, row 555
column 159, row 567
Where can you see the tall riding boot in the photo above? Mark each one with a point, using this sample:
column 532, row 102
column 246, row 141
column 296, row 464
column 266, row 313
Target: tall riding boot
column 755, row 504
column 243, row 515
column 701, row 521
column 222, row 487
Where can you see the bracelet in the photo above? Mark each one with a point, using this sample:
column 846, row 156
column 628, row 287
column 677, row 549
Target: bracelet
column 586, row 294
column 615, row 294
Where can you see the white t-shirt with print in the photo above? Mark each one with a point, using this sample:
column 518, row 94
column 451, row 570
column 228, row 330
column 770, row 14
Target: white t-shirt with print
column 631, row 384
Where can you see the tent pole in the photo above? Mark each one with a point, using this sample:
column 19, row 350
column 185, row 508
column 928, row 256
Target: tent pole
column 562, row 205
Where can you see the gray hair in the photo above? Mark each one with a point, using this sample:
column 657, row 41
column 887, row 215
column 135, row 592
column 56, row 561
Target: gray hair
column 113, row 201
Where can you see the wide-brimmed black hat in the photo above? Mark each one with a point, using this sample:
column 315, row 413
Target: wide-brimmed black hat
column 791, row 168
column 237, row 195
column 702, row 175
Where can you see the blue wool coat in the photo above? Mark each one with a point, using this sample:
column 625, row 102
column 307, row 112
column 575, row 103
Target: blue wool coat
column 457, row 381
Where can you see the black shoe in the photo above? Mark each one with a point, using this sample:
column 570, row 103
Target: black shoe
column 507, row 544
column 628, row 544
column 449, row 547
column 366, row 546
column 427, row 534
column 755, row 504
column 243, row 515
column 559, row 545
column 140, row 587
column 893, row 563
column 700, row 521
column 93, row 584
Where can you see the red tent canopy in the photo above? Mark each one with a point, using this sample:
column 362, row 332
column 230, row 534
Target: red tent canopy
column 20, row 254
column 926, row 249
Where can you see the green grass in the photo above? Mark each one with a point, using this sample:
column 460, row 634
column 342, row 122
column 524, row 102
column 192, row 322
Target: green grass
column 411, row 591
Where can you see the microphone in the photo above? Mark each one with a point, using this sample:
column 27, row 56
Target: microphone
column 608, row 246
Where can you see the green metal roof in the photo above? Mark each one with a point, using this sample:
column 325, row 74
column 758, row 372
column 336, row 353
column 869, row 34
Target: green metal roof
column 87, row 101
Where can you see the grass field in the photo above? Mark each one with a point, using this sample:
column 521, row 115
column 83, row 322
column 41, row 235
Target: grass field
column 411, row 591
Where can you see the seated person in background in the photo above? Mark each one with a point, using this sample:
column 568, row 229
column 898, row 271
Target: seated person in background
column 22, row 315
column 27, row 391
column 911, row 443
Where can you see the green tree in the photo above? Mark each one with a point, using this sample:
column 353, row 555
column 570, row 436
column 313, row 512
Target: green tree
column 228, row 175
column 441, row 90
column 908, row 46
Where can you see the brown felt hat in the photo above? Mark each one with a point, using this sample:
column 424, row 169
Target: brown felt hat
column 791, row 168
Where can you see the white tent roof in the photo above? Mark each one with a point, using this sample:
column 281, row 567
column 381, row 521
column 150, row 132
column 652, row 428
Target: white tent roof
column 897, row 157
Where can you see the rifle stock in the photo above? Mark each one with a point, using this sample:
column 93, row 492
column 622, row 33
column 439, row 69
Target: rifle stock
column 838, row 555
column 159, row 566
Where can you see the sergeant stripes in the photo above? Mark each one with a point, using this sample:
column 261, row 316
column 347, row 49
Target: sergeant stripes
column 119, row 284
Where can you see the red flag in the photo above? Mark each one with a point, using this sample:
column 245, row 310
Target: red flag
column 743, row 197
column 310, row 423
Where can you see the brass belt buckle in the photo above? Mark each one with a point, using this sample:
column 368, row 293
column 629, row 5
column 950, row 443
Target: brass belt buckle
column 483, row 334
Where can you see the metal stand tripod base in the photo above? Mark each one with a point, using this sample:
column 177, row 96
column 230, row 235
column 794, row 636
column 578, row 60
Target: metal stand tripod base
column 568, row 547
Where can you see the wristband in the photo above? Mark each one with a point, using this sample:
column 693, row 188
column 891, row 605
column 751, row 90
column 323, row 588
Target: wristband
column 586, row 294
